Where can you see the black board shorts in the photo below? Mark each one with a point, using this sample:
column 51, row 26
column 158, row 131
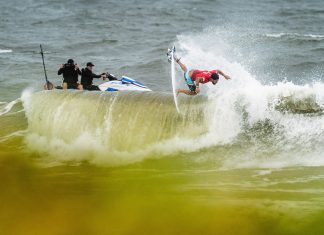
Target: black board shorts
column 72, row 85
column 91, row 88
column 192, row 87
column 190, row 83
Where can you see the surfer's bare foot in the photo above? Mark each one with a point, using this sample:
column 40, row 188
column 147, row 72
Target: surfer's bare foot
column 178, row 91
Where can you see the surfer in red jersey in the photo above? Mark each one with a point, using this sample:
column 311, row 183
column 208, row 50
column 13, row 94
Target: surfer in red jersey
column 195, row 77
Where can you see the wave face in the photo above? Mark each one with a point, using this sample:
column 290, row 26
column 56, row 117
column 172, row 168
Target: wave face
column 109, row 127
column 253, row 121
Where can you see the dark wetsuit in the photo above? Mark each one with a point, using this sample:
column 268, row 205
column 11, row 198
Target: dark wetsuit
column 70, row 75
column 87, row 77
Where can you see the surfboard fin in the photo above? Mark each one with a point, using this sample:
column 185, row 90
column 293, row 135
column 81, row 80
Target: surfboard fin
column 169, row 55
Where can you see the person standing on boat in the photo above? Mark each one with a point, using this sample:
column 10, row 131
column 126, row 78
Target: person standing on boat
column 71, row 72
column 87, row 77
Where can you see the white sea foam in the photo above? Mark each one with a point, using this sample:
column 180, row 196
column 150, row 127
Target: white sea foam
column 300, row 138
column 8, row 106
column 279, row 35
column 5, row 51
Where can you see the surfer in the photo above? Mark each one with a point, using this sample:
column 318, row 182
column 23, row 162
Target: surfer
column 71, row 72
column 194, row 77
column 87, row 77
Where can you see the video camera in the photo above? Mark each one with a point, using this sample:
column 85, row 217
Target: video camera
column 69, row 66
column 111, row 77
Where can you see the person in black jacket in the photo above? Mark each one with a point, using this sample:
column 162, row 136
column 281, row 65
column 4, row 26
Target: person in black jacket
column 70, row 73
column 87, row 77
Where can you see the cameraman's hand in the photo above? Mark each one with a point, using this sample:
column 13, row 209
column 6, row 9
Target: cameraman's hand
column 61, row 66
column 76, row 67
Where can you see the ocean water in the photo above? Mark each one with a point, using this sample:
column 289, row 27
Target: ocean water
column 243, row 157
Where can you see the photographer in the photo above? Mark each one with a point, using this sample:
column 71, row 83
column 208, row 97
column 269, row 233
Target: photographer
column 70, row 73
column 87, row 77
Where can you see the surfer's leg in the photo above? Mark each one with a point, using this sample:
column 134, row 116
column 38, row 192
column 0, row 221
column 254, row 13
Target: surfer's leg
column 187, row 92
column 65, row 86
column 191, row 91
column 182, row 66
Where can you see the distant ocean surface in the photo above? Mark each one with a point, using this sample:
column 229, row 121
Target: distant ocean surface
column 243, row 157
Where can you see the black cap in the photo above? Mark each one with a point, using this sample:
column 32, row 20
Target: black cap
column 90, row 64
column 215, row 76
column 70, row 61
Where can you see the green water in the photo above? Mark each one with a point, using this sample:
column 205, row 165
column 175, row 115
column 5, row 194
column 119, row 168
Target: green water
column 247, row 186
column 164, row 196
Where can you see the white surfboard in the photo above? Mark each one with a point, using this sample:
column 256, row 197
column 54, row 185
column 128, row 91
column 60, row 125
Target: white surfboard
column 174, row 89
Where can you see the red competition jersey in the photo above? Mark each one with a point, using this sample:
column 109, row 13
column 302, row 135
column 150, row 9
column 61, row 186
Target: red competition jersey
column 202, row 74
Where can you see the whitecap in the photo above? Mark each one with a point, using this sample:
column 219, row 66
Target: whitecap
column 5, row 51
column 280, row 35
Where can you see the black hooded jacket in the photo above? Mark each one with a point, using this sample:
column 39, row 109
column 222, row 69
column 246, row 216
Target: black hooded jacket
column 87, row 77
column 70, row 74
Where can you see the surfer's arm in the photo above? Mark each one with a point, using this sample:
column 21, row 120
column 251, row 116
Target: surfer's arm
column 198, row 80
column 223, row 74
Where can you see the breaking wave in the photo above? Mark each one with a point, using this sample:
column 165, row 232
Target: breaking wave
column 122, row 128
column 240, row 122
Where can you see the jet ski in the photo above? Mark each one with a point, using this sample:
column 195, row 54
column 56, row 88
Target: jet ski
column 124, row 84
